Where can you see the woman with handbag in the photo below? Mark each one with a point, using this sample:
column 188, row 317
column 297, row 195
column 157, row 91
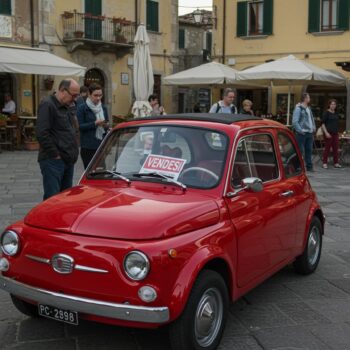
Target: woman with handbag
column 330, row 127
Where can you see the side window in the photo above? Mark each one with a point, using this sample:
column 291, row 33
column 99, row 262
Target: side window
column 255, row 157
column 289, row 155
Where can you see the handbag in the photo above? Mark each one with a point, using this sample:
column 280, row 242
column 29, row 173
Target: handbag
column 319, row 133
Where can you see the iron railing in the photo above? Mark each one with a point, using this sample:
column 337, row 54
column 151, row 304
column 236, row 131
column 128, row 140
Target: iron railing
column 100, row 28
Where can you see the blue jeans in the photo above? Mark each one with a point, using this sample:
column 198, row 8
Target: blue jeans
column 57, row 176
column 305, row 143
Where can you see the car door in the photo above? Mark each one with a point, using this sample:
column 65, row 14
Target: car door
column 264, row 221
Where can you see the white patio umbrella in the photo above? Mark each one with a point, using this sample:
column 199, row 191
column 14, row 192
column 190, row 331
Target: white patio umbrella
column 143, row 73
column 205, row 74
column 289, row 71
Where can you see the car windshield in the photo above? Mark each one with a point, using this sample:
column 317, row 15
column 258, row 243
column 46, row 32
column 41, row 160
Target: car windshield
column 189, row 156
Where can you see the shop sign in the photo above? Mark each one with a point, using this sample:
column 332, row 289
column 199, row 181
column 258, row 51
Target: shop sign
column 5, row 27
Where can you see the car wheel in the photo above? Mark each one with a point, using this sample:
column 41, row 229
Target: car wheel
column 203, row 320
column 24, row 307
column 308, row 261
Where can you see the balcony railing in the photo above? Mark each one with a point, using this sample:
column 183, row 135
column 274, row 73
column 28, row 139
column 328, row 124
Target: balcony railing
column 97, row 28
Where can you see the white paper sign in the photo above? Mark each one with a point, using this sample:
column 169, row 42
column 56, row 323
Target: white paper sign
column 5, row 27
column 168, row 166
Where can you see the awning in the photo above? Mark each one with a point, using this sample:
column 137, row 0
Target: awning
column 36, row 61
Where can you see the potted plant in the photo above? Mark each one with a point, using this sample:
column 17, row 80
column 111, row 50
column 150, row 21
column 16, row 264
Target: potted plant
column 30, row 142
column 3, row 120
column 78, row 34
column 67, row 14
column 119, row 37
column 48, row 83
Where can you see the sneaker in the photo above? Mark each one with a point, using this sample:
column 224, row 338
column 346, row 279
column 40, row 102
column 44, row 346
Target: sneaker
column 325, row 166
column 337, row 165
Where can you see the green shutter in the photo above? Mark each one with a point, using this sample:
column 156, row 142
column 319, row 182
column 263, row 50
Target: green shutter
column 242, row 11
column 152, row 16
column 181, row 38
column 5, row 7
column 93, row 27
column 94, row 7
column 268, row 17
column 344, row 13
column 314, row 15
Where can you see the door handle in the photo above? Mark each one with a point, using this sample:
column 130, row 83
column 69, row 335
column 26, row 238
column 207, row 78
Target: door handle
column 287, row 194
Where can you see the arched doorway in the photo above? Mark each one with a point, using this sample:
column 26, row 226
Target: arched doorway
column 6, row 86
column 94, row 75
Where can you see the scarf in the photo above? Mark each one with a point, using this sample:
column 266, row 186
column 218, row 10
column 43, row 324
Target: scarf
column 98, row 111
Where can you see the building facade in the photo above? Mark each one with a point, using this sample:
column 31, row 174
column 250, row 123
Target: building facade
column 251, row 32
column 96, row 34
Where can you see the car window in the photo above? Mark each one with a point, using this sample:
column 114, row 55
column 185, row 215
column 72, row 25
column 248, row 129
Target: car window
column 255, row 157
column 290, row 159
column 181, row 153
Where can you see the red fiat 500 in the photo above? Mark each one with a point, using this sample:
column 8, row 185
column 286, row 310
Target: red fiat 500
column 174, row 218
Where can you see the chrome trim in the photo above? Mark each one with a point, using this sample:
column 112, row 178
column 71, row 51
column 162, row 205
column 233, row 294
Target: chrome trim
column 76, row 267
column 89, row 269
column 84, row 305
column 38, row 259
column 62, row 263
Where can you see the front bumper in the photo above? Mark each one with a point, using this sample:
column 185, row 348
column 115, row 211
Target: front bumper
column 84, row 305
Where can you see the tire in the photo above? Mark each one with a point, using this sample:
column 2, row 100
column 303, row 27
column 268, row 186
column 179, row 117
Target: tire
column 191, row 330
column 308, row 261
column 24, row 307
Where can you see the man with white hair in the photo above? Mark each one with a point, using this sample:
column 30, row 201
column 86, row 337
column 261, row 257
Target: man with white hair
column 10, row 106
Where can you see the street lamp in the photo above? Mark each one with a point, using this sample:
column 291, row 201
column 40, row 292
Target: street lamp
column 202, row 18
column 197, row 16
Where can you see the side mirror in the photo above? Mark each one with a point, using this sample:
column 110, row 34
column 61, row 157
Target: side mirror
column 253, row 184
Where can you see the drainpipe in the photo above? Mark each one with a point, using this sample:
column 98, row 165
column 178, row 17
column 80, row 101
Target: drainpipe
column 224, row 33
column 136, row 15
column 32, row 43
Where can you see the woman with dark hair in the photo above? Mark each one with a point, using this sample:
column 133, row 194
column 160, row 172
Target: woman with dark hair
column 93, row 123
column 330, row 127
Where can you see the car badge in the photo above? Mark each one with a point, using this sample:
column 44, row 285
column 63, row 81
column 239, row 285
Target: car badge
column 62, row 263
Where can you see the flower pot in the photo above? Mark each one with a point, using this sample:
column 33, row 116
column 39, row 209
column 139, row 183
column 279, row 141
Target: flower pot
column 31, row 145
column 120, row 39
column 78, row 34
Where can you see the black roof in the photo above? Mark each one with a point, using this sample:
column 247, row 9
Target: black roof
column 223, row 118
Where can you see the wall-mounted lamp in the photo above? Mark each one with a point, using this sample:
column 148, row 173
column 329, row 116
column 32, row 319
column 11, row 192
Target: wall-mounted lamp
column 203, row 18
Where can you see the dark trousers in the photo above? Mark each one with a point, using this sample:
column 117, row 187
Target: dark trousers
column 57, row 176
column 332, row 142
column 305, row 143
column 86, row 155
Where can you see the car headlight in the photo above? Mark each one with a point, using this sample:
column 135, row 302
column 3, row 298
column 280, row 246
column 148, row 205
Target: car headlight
column 136, row 265
column 9, row 243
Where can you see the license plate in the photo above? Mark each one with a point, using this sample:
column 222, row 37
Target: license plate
column 58, row 314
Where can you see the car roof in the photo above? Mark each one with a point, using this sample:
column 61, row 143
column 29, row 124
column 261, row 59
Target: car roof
column 222, row 118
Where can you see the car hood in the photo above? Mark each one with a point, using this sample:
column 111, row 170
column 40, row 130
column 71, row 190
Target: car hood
column 124, row 213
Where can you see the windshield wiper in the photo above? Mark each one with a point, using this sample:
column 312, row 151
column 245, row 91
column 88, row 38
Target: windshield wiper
column 111, row 173
column 163, row 177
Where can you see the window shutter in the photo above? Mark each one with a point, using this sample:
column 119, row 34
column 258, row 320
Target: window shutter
column 209, row 40
column 181, row 38
column 152, row 16
column 242, row 10
column 314, row 15
column 268, row 17
column 5, row 7
column 343, row 20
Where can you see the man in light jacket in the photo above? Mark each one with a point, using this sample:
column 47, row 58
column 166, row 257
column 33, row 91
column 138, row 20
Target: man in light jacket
column 304, row 126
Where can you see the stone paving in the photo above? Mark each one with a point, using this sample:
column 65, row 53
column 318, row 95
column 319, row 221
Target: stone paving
column 288, row 311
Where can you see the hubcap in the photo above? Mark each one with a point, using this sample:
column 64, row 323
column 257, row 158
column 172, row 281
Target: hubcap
column 208, row 318
column 314, row 244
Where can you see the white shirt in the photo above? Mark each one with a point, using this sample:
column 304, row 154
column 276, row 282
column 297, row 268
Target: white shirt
column 9, row 107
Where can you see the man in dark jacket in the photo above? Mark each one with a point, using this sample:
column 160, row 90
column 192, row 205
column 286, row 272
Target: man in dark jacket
column 56, row 133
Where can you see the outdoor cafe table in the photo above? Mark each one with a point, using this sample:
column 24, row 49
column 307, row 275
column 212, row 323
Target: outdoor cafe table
column 26, row 122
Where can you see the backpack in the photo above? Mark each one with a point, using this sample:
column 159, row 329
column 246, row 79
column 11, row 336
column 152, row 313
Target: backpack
column 233, row 108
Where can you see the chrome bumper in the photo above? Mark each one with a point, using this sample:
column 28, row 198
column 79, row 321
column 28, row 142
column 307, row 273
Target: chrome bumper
column 84, row 305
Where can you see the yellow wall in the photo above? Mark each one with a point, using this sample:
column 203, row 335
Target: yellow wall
column 290, row 36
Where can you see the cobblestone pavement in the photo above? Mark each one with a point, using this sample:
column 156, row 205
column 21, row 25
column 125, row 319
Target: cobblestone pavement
column 286, row 312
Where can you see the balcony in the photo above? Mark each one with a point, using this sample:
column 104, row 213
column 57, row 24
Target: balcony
column 97, row 33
